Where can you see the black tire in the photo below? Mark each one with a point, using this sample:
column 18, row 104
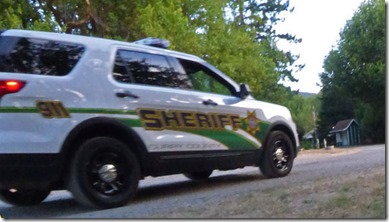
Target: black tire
column 278, row 155
column 26, row 197
column 199, row 176
column 104, row 173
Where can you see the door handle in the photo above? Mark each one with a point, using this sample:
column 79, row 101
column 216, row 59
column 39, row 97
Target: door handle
column 209, row 102
column 126, row 94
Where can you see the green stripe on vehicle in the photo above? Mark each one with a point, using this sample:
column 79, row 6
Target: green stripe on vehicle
column 232, row 140
column 130, row 122
column 101, row 111
column 13, row 109
column 229, row 138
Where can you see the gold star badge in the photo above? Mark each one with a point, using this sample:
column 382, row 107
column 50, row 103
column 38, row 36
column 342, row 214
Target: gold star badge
column 252, row 123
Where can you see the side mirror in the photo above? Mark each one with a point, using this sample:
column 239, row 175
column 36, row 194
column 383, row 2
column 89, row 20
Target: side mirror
column 244, row 91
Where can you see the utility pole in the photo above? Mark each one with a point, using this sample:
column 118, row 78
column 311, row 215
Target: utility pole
column 314, row 128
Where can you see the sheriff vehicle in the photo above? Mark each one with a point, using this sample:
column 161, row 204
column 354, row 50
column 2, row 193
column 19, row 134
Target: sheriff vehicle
column 94, row 116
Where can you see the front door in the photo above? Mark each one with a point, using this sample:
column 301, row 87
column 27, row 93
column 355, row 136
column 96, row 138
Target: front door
column 230, row 129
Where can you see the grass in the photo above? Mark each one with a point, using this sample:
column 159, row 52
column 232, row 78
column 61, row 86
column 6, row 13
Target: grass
column 359, row 195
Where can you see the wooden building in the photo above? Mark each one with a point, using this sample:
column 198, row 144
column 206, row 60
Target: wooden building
column 347, row 133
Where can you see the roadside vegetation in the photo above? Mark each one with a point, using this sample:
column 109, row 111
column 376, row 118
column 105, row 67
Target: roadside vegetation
column 354, row 76
column 356, row 196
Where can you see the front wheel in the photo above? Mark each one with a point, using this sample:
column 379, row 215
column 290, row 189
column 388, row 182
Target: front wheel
column 26, row 197
column 104, row 173
column 278, row 155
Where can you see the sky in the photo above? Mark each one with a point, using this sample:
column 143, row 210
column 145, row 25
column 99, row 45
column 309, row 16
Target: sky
column 318, row 23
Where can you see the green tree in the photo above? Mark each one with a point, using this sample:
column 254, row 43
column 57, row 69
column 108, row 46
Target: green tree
column 10, row 17
column 236, row 36
column 260, row 16
column 209, row 29
column 165, row 19
column 301, row 109
column 23, row 14
column 354, row 77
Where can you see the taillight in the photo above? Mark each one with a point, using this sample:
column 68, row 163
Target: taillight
column 10, row 86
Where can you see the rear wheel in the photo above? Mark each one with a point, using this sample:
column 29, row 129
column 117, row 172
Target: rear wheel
column 104, row 173
column 26, row 197
column 278, row 156
column 201, row 175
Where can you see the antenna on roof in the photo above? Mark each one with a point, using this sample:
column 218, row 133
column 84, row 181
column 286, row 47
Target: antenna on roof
column 155, row 42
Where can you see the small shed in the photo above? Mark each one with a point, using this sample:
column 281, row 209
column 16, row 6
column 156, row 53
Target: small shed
column 309, row 135
column 347, row 133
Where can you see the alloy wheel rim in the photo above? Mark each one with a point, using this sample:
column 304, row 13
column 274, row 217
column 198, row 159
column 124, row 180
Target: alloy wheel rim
column 105, row 173
column 280, row 155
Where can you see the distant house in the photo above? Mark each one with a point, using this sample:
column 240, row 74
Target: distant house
column 309, row 135
column 347, row 133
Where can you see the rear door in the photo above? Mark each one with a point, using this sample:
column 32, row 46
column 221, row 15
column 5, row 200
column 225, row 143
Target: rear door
column 144, row 84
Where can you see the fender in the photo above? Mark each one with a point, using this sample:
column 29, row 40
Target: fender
column 282, row 126
column 104, row 126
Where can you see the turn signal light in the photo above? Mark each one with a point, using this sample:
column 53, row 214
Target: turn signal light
column 10, row 86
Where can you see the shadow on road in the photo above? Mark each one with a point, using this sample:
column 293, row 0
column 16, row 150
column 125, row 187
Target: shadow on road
column 177, row 188
column 47, row 209
column 68, row 206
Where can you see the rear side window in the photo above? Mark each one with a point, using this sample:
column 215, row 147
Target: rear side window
column 148, row 69
column 37, row 56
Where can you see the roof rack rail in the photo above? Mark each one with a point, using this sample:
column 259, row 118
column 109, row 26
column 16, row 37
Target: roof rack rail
column 155, row 42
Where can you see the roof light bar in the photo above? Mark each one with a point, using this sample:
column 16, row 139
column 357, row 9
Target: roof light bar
column 155, row 42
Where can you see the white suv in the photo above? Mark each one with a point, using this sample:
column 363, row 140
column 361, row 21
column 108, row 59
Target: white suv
column 94, row 116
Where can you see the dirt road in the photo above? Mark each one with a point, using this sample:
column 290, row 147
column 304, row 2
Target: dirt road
column 164, row 194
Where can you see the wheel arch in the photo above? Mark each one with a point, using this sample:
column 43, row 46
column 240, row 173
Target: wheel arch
column 103, row 126
column 281, row 126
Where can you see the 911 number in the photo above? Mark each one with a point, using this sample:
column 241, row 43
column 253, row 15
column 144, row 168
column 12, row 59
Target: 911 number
column 52, row 109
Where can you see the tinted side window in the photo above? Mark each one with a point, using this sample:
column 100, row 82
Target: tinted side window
column 36, row 56
column 149, row 69
column 203, row 79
